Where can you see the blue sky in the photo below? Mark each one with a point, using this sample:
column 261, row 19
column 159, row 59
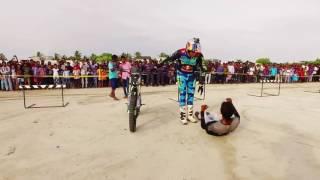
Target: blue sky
column 284, row 30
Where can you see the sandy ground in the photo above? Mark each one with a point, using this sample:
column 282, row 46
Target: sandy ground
column 279, row 136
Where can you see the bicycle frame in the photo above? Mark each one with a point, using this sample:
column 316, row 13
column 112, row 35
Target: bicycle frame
column 135, row 87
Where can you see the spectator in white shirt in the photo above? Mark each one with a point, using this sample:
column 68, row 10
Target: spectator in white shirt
column 231, row 71
column 55, row 74
column 84, row 73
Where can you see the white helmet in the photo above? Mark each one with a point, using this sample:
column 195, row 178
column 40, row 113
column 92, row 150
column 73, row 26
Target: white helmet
column 194, row 45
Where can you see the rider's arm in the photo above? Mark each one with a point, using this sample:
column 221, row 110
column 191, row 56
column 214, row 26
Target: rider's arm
column 176, row 55
column 236, row 113
column 235, row 110
column 203, row 123
column 201, row 67
column 200, row 63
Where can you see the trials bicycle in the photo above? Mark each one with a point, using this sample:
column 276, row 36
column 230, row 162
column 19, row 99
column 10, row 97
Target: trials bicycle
column 134, row 100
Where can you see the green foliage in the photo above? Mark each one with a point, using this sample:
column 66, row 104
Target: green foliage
column 163, row 55
column 137, row 54
column 71, row 58
column 263, row 61
column 77, row 55
column 104, row 57
column 85, row 58
column 93, row 57
column 2, row 57
column 317, row 61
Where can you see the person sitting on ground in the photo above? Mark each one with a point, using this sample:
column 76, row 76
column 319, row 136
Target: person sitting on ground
column 219, row 125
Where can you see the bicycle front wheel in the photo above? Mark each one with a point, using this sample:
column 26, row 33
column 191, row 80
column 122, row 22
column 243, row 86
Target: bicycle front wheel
column 132, row 112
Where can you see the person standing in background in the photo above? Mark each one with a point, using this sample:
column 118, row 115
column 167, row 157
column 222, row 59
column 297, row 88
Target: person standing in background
column 113, row 76
column 149, row 68
column 66, row 75
column 13, row 77
column 125, row 69
column 42, row 74
column 84, row 73
column 94, row 68
column 55, row 74
column 6, row 80
column 76, row 75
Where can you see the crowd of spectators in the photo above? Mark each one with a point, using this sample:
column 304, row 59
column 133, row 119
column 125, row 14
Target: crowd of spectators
column 90, row 74
column 248, row 72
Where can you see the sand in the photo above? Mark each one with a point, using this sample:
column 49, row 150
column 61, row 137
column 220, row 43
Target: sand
column 278, row 138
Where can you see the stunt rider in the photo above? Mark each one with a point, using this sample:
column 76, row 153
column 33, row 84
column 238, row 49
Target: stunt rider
column 188, row 60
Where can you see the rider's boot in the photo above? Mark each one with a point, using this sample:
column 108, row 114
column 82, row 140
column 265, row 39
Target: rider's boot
column 190, row 114
column 183, row 118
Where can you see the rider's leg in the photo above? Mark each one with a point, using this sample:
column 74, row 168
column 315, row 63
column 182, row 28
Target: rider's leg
column 183, row 117
column 190, row 91
column 182, row 84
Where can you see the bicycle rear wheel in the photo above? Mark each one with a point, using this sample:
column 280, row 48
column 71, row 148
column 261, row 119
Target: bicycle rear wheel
column 132, row 112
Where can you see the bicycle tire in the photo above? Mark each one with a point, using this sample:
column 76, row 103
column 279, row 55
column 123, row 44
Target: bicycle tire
column 138, row 105
column 132, row 112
